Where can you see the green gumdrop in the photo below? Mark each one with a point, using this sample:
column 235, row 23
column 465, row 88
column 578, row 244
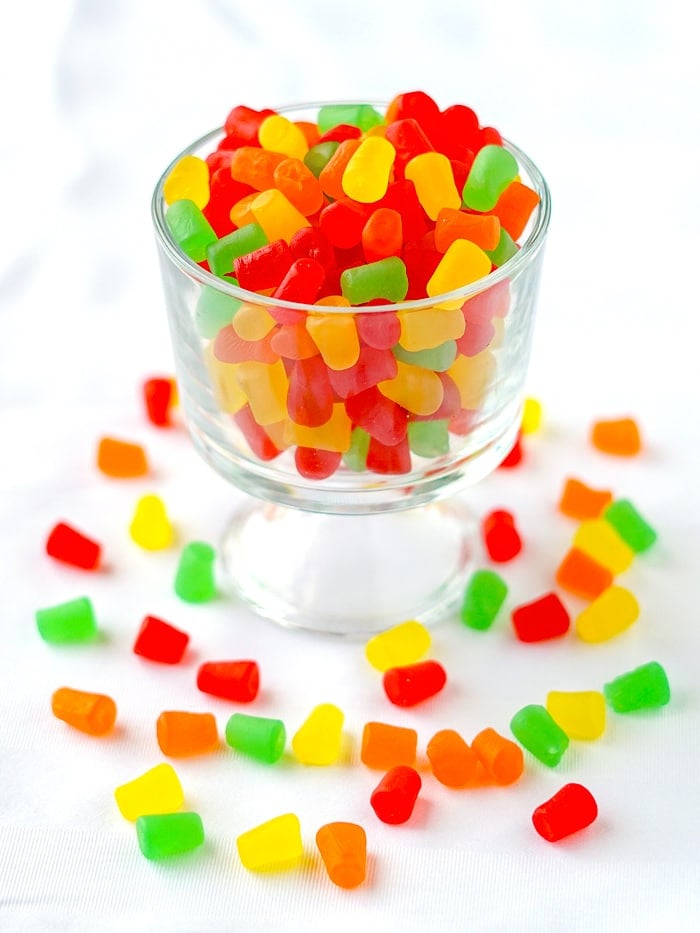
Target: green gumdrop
column 164, row 834
column 483, row 598
column 630, row 525
column 257, row 736
column 194, row 580
column 505, row 249
column 215, row 310
column 537, row 731
column 645, row 687
column 190, row 229
column 319, row 156
column 355, row 458
column 67, row 623
column 385, row 278
column 362, row 115
column 429, row 438
column 221, row 254
column 439, row 358
column 493, row 169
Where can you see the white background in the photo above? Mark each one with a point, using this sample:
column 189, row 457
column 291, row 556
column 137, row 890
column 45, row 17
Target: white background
column 96, row 99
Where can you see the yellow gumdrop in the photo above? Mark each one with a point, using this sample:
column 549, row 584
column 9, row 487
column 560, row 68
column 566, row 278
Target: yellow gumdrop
column 463, row 263
column 278, row 134
column 333, row 301
column 608, row 615
column 241, row 213
column 318, row 740
column 366, row 176
column 415, row 388
column 473, row 376
column 273, row 845
column 266, row 386
column 228, row 392
column 277, row 215
column 335, row 335
column 532, row 416
column 334, row 435
column 431, row 173
column 426, row 328
column 156, row 791
column 150, row 527
column 600, row 541
column 580, row 713
column 398, row 646
column 252, row 322
column 188, row 180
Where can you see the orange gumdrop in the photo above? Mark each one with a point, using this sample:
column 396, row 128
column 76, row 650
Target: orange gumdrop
column 384, row 746
column 299, row 185
column 255, row 167
column 452, row 224
column 311, row 132
column 581, row 575
column 581, row 502
column 502, row 759
column 343, row 848
column 121, row 459
column 454, row 764
column 180, row 734
column 92, row 713
column 514, row 208
column 620, row 437
column 331, row 176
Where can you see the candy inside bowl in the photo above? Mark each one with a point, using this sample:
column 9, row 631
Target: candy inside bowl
column 351, row 292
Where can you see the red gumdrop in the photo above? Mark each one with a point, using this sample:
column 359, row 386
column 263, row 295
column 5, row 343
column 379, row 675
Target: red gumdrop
column 543, row 618
column 160, row 641
column 394, row 798
column 312, row 243
column 310, row 397
column 401, row 196
column 476, row 337
column 462, row 422
column 380, row 330
column 409, row 140
column 243, row 123
column 342, row 222
column 316, row 464
column 388, row 459
column 258, row 440
column 572, row 808
column 71, row 546
column 219, row 158
column 488, row 136
column 410, row 685
column 458, row 129
column 301, row 283
column 514, row 455
column 339, row 133
column 382, row 235
column 420, row 264
column 501, row 537
column 265, row 267
column 158, row 395
column 230, row 348
column 381, row 418
column 230, row 680
column 419, row 106
column 373, row 366
column 293, row 342
column 224, row 192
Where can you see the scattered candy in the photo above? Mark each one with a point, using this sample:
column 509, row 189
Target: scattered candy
column 157, row 790
column 483, row 598
column 71, row 546
column 543, row 618
column 572, row 808
column 645, row 687
column 160, row 641
column 581, row 502
column 501, row 758
column 532, row 416
column 600, row 541
column 257, row 737
column 150, row 527
column 121, row 459
column 501, row 537
column 384, row 746
column 398, row 646
column 194, row 580
column 318, row 740
column 273, row 845
column 537, row 731
column 580, row 713
column 163, row 834
column 608, row 615
column 410, row 685
column 630, row 526
column 453, row 762
column 581, row 575
column 92, row 713
column 159, row 396
column 182, row 733
column 620, row 437
column 343, row 848
column 231, row 680
column 394, row 798
column 71, row 622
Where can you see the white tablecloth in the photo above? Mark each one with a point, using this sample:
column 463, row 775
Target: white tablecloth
column 96, row 99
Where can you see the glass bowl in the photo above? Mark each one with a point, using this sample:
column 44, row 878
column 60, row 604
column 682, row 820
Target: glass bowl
column 353, row 525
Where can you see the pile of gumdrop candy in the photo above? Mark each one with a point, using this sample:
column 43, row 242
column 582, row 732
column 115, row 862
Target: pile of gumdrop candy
column 356, row 210
column 610, row 534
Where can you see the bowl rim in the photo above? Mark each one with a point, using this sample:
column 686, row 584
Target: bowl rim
column 525, row 255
